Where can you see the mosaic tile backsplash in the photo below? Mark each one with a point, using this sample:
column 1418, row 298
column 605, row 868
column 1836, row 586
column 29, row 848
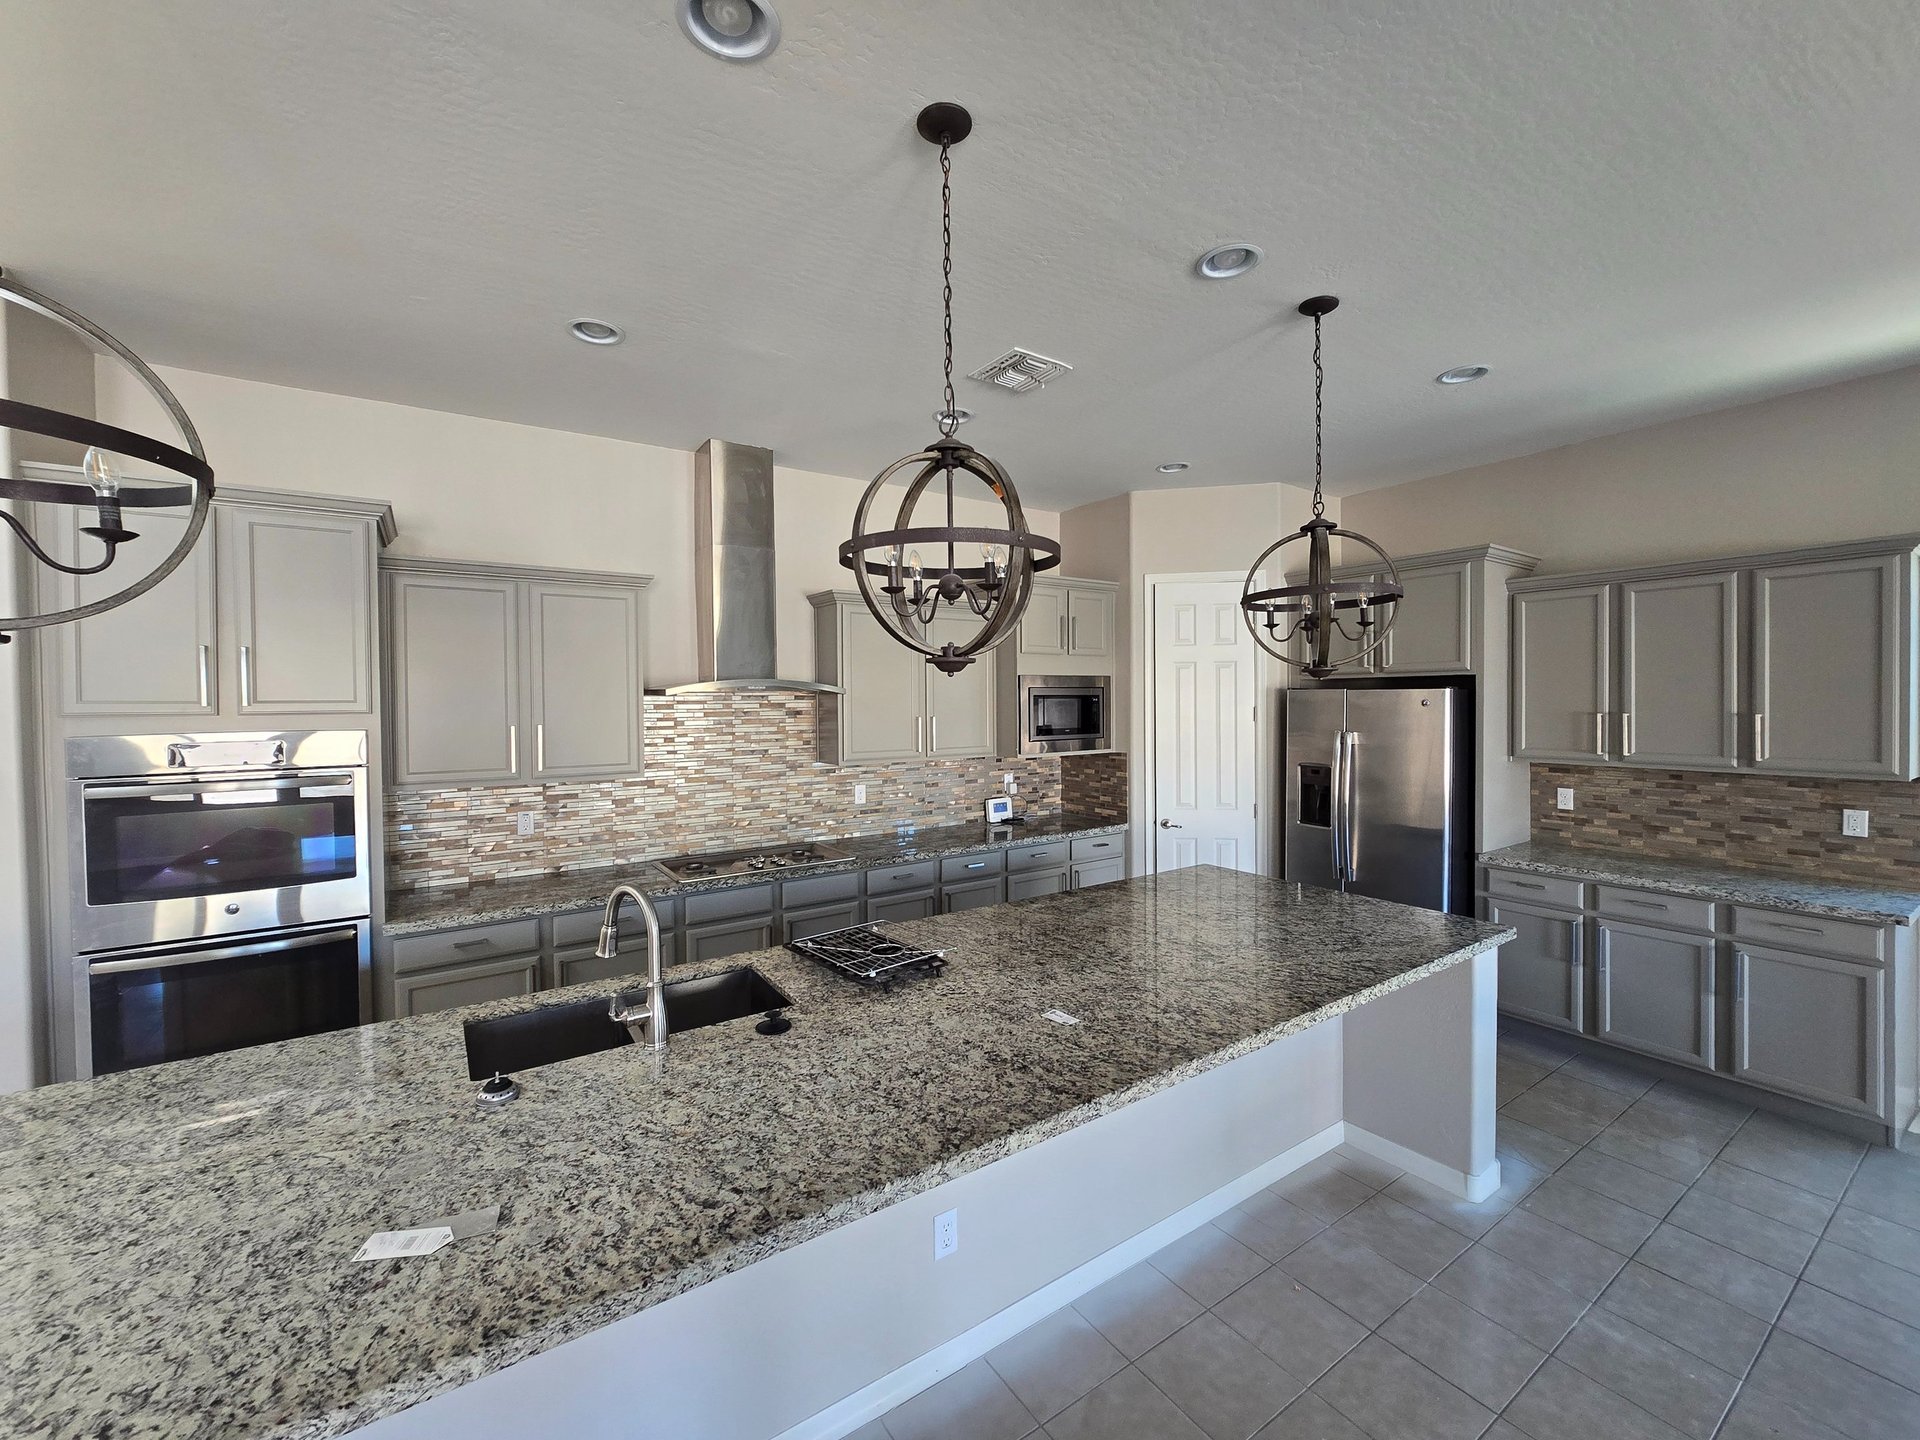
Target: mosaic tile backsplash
column 1094, row 784
column 1764, row 822
column 723, row 771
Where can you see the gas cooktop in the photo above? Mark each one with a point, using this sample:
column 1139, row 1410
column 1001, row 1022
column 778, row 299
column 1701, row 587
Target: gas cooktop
column 771, row 860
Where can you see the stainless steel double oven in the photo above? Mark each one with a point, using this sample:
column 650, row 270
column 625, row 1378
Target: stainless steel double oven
column 220, row 889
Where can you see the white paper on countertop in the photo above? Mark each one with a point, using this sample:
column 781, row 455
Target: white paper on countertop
column 404, row 1244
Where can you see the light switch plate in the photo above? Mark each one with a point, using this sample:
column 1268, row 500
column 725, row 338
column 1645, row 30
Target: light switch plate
column 1563, row 797
column 1854, row 823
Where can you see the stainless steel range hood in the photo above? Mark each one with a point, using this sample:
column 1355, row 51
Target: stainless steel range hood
column 733, row 571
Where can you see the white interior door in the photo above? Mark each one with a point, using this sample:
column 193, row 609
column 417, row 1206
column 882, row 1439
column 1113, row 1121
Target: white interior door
column 1205, row 731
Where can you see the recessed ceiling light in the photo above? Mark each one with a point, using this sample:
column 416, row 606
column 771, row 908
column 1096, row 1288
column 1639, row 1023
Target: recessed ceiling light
column 960, row 417
column 1460, row 375
column 597, row 332
column 731, row 29
column 1173, row 467
column 1223, row 262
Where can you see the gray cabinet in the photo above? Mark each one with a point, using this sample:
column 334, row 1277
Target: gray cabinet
column 1089, row 621
column 818, row 919
column 1810, row 1026
column 1043, row 625
column 1433, row 633
column 299, row 592
column 1562, row 673
column 472, row 984
column 916, row 905
column 455, row 647
column 1680, row 671
column 959, row 708
column 585, row 646
column 1543, row 973
column 1087, row 874
column 973, row 894
column 893, row 705
column 718, row 939
column 1654, row 991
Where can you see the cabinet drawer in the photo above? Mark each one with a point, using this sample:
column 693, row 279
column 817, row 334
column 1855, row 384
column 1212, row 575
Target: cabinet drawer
column 473, row 984
column 1811, row 932
column 1099, row 872
column 917, row 906
column 473, row 942
column 838, row 915
column 820, row 890
column 725, row 904
column 582, row 927
column 973, row 895
column 1031, row 887
column 1037, row 857
column 1649, row 907
column 1098, row 847
column 580, row 966
column 894, row 879
column 974, row 867
column 721, row 938
column 1537, row 889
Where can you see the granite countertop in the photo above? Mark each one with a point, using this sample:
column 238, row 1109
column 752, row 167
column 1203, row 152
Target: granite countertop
column 1742, row 887
column 174, row 1257
column 411, row 912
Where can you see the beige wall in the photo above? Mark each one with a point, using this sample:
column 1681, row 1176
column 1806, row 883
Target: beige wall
column 1838, row 463
column 466, row 488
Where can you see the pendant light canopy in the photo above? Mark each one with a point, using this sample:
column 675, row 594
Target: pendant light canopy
column 1313, row 609
column 920, row 569
column 101, row 485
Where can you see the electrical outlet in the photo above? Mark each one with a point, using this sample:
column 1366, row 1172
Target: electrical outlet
column 859, row 794
column 1564, row 797
column 946, row 1233
column 1854, row 823
column 1009, row 784
column 526, row 822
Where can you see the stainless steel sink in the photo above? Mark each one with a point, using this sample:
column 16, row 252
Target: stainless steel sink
column 548, row 1034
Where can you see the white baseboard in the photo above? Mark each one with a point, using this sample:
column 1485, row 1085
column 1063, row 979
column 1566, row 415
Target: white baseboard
column 875, row 1400
column 1471, row 1188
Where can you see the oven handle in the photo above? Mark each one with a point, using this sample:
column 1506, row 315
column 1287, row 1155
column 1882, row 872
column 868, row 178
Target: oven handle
column 155, row 961
column 336, row 782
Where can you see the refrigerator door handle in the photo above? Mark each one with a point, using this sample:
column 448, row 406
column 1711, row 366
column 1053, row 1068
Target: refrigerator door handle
column 1339, row 817
column 1347, row 808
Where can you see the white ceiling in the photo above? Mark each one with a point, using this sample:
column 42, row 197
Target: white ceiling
column 1631, row 211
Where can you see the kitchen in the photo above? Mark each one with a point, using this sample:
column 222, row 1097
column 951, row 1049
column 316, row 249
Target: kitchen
column 473, row 634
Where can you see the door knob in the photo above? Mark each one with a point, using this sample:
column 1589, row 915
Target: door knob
column 1169, row 825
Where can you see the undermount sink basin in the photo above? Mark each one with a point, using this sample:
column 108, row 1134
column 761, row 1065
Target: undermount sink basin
column 550, row 1033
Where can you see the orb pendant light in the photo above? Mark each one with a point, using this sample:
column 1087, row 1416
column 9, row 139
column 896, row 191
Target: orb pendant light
column 923, row 570
column 1313, row 610
column 116, row 499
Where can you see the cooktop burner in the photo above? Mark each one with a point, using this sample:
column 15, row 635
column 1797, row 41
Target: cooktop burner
column 772, row 859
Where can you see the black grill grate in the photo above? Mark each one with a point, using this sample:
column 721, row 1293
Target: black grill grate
column 863, row 953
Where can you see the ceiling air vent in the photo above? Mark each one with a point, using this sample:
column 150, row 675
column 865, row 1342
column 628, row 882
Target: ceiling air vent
column 1021, row 371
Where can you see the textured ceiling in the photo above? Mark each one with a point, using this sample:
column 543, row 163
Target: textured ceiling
column 1631, row 210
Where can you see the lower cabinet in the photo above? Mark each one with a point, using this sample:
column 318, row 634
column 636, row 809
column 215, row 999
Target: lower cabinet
column 1543, row 973
column 1034, row 883
column 1099, row 872
column 973, row 895
column 720, row 938
column 1654, row 991
column 916, row 906
column 818, row 919
column 1810, row 1026
column 457, row 985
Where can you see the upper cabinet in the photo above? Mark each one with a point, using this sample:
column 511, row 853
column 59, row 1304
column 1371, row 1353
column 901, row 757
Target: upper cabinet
column 1068, row 628
column 1440, row 625
column 502, row 673
column 1802, row 664
column 893, row 705
column 294, row 656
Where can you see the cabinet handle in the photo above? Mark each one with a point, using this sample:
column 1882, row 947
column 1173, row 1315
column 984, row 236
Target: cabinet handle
column 919, row 729
column 933, row 733
column 976, row 865
column 1797, row 929
column 1600, row 732
column 1526, row 884
column 513, row 748
column 1073, row 632
column 1739, row 980
column 1645, row 904
column 479, row 944
column 1761, row 738
column 1063, row 632
column 1627, row 743
column 246, row 676
column 206, row 679
column 540, row 745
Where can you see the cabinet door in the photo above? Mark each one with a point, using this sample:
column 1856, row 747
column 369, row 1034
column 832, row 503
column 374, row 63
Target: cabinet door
column 456, row 679
column 435, row 990
column 1543, row 972
column 1828, row 681
column 721, row 938
column 578, row 965
column 1090, row 623
column 1035, row 883
column 1810, row 1026
column 902, row 907
column 299, row 598
column 974, row 895
column 586, row 646
column 1562, row 673
column 818, row 919
column 1433, row 633
column 1653, row 991
column 1043, row 627
column 959, row 707
column 1098, row 872
column 1680, row 671
column 155, row 654
column 882, row 710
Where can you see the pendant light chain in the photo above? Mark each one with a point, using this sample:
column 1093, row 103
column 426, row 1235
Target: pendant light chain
column 949, row 417
column 1319, row 386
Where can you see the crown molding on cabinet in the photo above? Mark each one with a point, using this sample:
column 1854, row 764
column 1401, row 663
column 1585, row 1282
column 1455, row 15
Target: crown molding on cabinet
column 1842, row 550
column 491, row 570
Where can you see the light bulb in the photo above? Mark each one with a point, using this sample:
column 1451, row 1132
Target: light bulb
column 913, row 563
column 98, row 468
column 732, row 18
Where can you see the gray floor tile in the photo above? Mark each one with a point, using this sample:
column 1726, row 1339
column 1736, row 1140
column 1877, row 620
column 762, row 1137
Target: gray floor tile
column 1675, row 1159
column 1471, row 1218
column 1888, row 1185
column 1589, row 1101
column 1689, row 1099
column 1137, row 1309
column 1270, row 1225
column 1208, row 1264
column 1051, row 1364
column 1218, row 1380
column 1512, row 1296
column 1127, row 1407
column 1695, row 1321
column 1559, row 1403
column 1745, row 1231
column 1409, row 1239
column 1790, row 1205
column 1767, row 1417
column 1746, row 1284
column 1608, row 1075
column 1644, row 1190
column 1507, row 1082
column 1853, row 1332
column 1519, row 1071
column 1325, row 1193
column 1667, row 1382
column 1368, row 1169
column 1854, row 1401
column 1536, row 1149
column 1542, row 1047
column 1815, row 1160
column 973, row 1403
column 1311, row 1418
column 1360, row 1281
column 1587, row 1212
column 1569, row 1260
column 1503, row 1431
column 1392, row 1396
column 1538, row 1108
column 1463, row 1347
column 1653, row 1119
column 1882, row 1239
column 872, row 1430
column 1291, row 1324
column 1865, row 1281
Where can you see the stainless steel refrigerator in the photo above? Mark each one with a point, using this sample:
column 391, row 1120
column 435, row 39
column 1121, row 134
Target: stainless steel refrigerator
column 1379, row 790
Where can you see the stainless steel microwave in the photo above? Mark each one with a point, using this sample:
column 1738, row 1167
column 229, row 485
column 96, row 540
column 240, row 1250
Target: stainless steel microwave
column 1063, row 712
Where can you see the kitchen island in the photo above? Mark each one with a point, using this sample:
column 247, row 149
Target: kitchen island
column 727, row 1239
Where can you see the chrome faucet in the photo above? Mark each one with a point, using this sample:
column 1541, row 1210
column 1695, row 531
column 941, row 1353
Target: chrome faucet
column 647, row 1020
